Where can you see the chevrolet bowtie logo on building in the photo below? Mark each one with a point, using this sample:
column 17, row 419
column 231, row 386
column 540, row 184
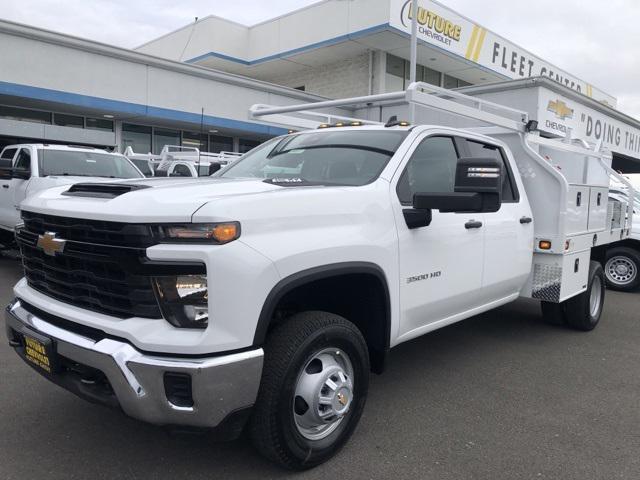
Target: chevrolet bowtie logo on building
column 561, row 109
column 51, row 245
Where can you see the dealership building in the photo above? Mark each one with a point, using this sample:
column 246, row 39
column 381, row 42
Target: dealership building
column 194, row 86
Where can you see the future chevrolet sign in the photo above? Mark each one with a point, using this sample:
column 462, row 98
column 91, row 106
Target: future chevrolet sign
column 457, row 35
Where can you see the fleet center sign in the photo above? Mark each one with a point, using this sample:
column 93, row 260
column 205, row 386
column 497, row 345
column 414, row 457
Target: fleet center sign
column 447, row 30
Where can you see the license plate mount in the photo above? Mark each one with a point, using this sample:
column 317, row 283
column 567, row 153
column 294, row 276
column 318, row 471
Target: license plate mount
column 39, row 351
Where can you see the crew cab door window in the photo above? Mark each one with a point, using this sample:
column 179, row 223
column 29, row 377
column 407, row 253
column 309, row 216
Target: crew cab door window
column 7, row 158
column 432, row 168
column 6, row 161
column 23, row 160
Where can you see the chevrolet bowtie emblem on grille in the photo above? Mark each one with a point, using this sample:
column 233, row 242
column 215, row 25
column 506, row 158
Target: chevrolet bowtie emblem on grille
column 50, row 245
column 561, row 109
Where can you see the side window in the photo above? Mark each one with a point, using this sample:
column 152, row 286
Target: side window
column 431, row 168
column 7, row 157
column 478, row 149
column 23, row 160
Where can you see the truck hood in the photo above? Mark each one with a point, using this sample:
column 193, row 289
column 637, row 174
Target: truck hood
column 150, row 200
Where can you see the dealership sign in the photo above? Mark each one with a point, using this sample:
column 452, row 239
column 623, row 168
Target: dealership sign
column 557, row 114
column 447, row 30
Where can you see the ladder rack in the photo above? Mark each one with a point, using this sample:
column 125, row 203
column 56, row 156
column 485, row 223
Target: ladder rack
column 419, row 95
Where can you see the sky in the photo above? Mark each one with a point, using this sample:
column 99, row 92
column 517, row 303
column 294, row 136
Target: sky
column 582, row 37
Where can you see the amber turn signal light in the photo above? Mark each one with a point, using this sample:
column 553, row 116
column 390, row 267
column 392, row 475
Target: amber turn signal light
column 544, row 245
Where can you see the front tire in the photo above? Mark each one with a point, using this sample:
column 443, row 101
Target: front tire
column 623, row 269
column 313, row 390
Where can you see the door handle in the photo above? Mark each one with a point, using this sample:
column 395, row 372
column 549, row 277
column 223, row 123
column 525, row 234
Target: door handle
column 5, row 186
column 472, row 224
column 525, row 220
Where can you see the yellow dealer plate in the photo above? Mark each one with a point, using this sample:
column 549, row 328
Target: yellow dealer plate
column 38, row 350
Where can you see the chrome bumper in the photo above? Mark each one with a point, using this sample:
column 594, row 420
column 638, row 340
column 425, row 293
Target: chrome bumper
column 219, row 385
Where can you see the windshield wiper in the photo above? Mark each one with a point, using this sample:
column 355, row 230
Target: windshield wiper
column 66, row 174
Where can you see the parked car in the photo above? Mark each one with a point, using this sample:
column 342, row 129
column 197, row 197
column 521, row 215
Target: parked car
column 29, row 168
column 265, row 295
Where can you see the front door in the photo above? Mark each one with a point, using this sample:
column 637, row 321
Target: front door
column 440, row 264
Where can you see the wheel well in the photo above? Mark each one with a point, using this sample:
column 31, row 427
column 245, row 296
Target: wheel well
column 628, row 242
column 599, row 254
column 358, row 294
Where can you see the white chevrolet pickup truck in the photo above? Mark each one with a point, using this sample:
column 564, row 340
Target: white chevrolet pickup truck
column 263, row 300
column 29, row 168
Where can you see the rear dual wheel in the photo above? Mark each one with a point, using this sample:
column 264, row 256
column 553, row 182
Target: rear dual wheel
column 583, row 311
column 622, row 269
column 313, row 389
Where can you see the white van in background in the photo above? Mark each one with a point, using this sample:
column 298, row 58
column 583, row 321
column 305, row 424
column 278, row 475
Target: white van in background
column 29, row 168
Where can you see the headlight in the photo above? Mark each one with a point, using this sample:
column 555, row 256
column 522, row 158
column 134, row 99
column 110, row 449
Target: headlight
column 201, row 232
column 183, row 300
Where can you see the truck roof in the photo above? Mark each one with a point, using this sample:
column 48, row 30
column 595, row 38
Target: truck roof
column 51, row 146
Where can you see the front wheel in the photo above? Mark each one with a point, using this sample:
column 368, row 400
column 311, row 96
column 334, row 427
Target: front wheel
column 623, row 269
column 313, row 389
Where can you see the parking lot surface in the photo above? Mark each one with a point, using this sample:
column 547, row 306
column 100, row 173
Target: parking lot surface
column 499, row 396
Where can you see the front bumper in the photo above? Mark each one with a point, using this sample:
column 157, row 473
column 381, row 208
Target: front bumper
column 113, row 372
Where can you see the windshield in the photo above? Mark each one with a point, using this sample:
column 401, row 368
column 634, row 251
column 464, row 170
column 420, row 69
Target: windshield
column 143, row 166
column 346, row 157
column 84, row 164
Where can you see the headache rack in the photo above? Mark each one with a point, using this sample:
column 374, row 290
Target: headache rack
column 567, row 180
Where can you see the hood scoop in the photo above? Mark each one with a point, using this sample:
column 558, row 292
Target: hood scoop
column 101, row 190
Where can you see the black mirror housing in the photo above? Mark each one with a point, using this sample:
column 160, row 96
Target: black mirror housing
column 479, row 175
column 477, row 189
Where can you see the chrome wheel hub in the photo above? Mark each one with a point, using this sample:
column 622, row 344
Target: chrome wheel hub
column 323, row 393
column 621, row 270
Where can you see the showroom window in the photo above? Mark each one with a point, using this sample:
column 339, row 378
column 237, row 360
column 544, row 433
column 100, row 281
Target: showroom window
column 194, row 139
column 394, row 79
column 162, row 137
column 99, row 124
column 64, row 120
column 246, row 145
column 453, row 82
column 221, row 144
column 137, row 137
column 397, row 75
column 25, row 115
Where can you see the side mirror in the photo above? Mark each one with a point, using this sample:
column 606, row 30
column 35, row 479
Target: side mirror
column 477, row 189
column 20, row 173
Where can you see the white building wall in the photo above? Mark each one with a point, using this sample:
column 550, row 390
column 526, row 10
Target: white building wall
column 345, row 78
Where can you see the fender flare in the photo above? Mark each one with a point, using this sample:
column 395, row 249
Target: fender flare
column 303, row 277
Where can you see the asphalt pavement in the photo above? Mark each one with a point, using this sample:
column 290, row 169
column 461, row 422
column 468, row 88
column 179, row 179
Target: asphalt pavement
column 498, row 396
